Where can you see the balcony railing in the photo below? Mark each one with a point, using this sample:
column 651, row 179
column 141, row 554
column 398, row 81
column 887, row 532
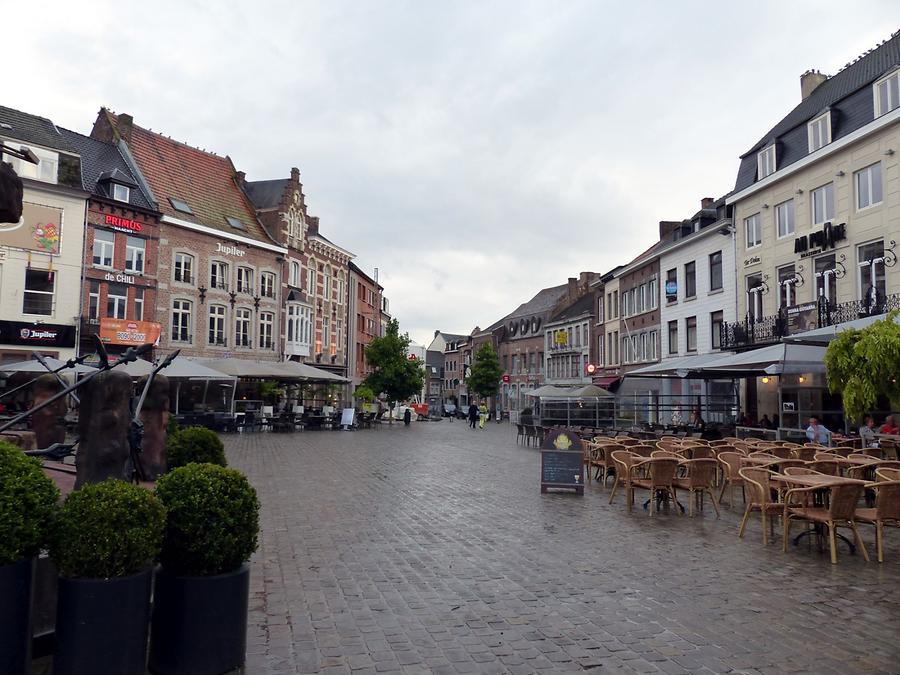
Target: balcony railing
column 771, row 329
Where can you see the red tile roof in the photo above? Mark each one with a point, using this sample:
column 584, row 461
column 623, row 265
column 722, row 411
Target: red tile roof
column 206, row 181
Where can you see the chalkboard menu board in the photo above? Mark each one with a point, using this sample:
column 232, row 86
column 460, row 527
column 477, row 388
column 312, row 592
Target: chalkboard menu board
column 561, row 462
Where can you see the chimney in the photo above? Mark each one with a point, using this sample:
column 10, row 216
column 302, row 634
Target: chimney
column 241, row 178
column 573, row 287
column 707, row 202
column 809, row 81
column 124, row 126
column 295, row 175
column 667, row 227
column 436, row 333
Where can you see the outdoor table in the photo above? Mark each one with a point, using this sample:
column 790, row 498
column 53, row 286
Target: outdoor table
column 313, row 421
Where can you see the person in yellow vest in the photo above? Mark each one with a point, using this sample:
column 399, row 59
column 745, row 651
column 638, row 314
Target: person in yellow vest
column 482, row 415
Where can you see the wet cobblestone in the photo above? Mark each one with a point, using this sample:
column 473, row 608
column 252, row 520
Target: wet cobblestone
column 430, row 549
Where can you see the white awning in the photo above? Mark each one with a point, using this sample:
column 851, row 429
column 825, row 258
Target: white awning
column 776, row 359
column 829, row 333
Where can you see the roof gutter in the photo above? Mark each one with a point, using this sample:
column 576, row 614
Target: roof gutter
column 223, row 235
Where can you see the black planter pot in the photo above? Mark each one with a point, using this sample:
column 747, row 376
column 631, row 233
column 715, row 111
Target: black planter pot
column 101, row 625
column 15, row 616
column 199, row 624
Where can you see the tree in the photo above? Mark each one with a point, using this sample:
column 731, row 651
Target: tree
column 394, row 374
column 865, row 364
column 484, row 376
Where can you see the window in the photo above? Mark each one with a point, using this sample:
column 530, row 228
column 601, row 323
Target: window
column 120, row 193
column 218, row 275
column 235, row 223
column 134, row 254
column 716, row 319
column 673, row 337
column 870, row 259
column 242, row 331
column 327, row 283
column 642, row 298
column 653, row 341
column 217, row 325
column 94, row 301
column 690, row 325
column 138, row 304
column 826, row 277
column 299, row 323
column 653, row 292
column 245, row 280
column 765, row 162
column 819, row 132
column 784, row 218
column 753, row 227
column 46, row 170
column 104, row 242
column 787, row 279
column 600, row 307
column 116, row 301
column 326, row 333
column 181, row 321
column 180, row 205
column 754, row 296
column 642, row 351
column 266, row 326
column 887, row 93
column 601, row 350
column 672, row 286
column 294, row 274
column 38, row 296
column 311, row 280
column 822, row 204
column 868, row 186
column 690, row 280
column 267, row 284
column 715, row 271
column 616, row 302
column 184, row 268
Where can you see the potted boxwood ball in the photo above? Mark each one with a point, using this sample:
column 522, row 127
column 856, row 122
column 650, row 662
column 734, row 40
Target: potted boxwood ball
column 28, row 502
column 202, row 593
column 194, row 444
column 106, row 538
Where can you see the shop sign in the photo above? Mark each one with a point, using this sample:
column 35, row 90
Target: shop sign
column 123, row 332
column 824, row 239
column 506, row 379
column 562, row 337
column 39, row 229
column 752, row 260
column 801, row 318
column 36, row 334
column 123, row 224
column 230, row 250
column 671, row 289
column 119, row 277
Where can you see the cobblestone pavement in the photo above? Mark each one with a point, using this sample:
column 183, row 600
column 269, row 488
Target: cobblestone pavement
column 430, row 549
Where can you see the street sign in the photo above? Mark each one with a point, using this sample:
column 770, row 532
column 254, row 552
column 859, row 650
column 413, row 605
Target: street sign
column 506, row 379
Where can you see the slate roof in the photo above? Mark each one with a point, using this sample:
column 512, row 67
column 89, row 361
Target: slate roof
column 583, row 304
column 849, row 91
column 266, row 194
column 206, row 181
column 32, row 129
column 542, row 302
column 98, row 159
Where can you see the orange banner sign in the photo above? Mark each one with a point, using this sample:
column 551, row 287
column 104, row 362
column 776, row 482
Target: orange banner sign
column 123, row 332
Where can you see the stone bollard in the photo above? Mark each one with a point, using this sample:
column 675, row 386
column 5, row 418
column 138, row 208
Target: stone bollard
column 155, row 416
column 49, row 424
column 103, row 421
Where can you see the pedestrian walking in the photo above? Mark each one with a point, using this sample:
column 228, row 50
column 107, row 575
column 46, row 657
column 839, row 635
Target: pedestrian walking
column 482, row 415
column 473, row 414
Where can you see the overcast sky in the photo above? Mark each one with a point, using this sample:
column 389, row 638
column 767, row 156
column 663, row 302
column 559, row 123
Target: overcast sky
column 474, row 152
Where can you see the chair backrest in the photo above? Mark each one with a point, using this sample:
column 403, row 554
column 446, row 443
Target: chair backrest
column 878, row 453
column 788, row 444
column 731, row 463
column 758, row 480
column 843, row 452
column 668, row 445
column 827, row 456
column 800, row 471
column 764, row 455
column 623, row 461
column 780, row 451
column 626, row 440
column 643, row 450
column 887, row 500
column 883, row 473
column 520, row 428
column 665, row 453
column 719, row 443
column 786, row 463
column 806, row 454
column 662, row 471
column 700, row 452
column 859, row 455
column 844, row 498
column 701, row 472
column 827, row 466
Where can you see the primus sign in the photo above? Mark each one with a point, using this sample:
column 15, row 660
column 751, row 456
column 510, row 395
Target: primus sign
column 123, row 224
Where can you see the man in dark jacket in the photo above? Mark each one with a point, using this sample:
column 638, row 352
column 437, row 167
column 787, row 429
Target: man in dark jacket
column 473, row 414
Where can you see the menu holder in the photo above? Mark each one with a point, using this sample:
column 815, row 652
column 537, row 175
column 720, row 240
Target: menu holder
column 562, row 462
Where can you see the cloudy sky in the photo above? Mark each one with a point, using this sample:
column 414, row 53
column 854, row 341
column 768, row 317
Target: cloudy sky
column 474, row 152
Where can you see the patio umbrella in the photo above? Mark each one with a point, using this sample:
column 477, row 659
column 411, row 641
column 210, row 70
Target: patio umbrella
column 34, row 366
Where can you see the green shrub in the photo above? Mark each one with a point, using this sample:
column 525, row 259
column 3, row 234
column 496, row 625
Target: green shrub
column 108, row 529
column 28, row 504
column 213, row 520
column 172, row 427
column 194, row 445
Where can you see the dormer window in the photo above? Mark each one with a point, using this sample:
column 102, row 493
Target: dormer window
column 887, row 93
column 766, row 162
column 235, row 223
column 180, row 205
column 819, row 132
column 121, row 193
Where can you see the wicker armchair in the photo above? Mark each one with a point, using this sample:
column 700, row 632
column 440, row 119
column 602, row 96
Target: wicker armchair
column 843, row 451
column 883, row 473
column 780, row 451
column 656, row 454
column 701, row 474
column 801, row 471
column 643, row 450
column 841, row 511
column 759, row 489
column 886, row 511
column 827, row 466
column 806, row 454
column 699, row 452
column 660, row 476
column 621, row 461
column 731, row 465
column 877, row 453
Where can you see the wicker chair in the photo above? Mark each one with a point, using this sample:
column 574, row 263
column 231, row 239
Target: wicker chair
column 600, row 461
column 843, row 451
column 660, row 477
column 666, row 453
column 786, row 463
column 668, row 445
column 841, row 511
column 731, row 465
column 826, row 466
column 887, row 474
column 806, row 454
column 759, row 488
column 780, row 451
column 886, row 510
column 877, row 453
column 828, row 456
column 622, row 461
column 801, row 471
column 701, row 473
column 627, row 440
column 699, row 452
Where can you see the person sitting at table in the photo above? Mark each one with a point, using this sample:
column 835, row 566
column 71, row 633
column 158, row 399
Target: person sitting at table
column 816, row 433
column 765, row 422
column 889, row 427
column 697, row 423
column 867, row 432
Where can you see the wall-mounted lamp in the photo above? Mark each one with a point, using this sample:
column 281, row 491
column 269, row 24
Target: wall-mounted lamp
column 840, row 174
column 889, row 152
column 801, row 379
column 799, row 191
column 765, row 206
column 765, row 380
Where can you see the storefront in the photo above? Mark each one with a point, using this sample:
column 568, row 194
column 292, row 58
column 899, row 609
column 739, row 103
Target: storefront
column 19, row 339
